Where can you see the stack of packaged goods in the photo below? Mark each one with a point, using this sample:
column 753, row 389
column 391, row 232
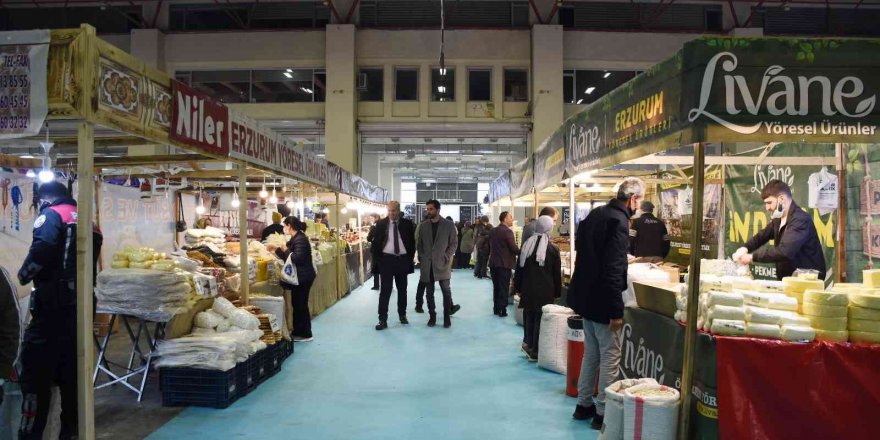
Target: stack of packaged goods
column 827, row 312
column 795, row 287
column 154, row 295
column 864, row 310
column 209, row 236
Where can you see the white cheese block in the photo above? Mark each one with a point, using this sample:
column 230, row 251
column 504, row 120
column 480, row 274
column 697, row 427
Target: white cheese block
column 799, row 285
column 826, row 298
column 727, row 312
column 864, row 337
column 863, row 325
column 771, row 286
column 724, row 298
column 830, row 336
column 856, row 312
column 828, row 324
column 760, row 315
column 764, row 330
column 846, row 287
column 811, row 309
column 728, row 327
column 866, row 300
column 871, row 278
column 795, row 320
column 798, row 333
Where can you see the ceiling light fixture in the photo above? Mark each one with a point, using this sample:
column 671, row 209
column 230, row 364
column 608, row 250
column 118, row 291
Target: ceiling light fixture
column 589, row 90
column 288, row 75
column 289, row 70
column 27, row 156
column 580, row 100
column 200, row 209
column 274, row 199
column 606, row 75
column 31, row 174
column 263, row 192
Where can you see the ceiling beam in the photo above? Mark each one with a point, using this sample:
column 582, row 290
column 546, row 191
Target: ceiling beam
column 132, row 161
column 8, row 161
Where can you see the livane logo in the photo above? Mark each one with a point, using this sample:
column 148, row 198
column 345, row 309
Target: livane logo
column 584, row 142
column 780, row 94
column 640, row 360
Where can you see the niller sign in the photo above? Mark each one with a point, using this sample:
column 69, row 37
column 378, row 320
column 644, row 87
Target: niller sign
column 199, row 121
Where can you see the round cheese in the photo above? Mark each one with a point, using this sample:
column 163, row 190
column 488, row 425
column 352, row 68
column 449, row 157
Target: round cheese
column 871, row 278
column 864, row 337
column 856, row 312
column 863, row 325
column 823, row 335
column 865, row 300
column 811, row 309
column 828, row 324
column 799, row 285
column 826, row 298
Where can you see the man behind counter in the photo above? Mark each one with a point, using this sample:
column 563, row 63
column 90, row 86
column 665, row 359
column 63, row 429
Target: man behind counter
column 796, row 243
column 648, row 238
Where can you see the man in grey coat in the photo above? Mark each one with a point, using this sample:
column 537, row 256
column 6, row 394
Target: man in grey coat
column 436, row 244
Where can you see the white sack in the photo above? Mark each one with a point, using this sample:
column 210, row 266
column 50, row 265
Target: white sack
column 612, row 428
column 658, row 406
column 553, row 339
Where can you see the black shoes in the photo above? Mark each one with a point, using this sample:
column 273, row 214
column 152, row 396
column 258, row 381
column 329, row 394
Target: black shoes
column 455, row 308
column 532, row 356
column 375, row 288
column 419, row 309
column 503, row 314
column 584, row 412
column 432, row 321
column 447, row 321
column 403, row 320
column 382, row 325
column 598, row 421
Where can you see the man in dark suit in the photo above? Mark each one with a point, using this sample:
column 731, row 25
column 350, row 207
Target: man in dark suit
column 393, row 249
column 371, row 237
column 502, row 258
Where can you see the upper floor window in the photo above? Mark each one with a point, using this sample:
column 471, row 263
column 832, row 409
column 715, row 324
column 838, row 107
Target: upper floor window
column 259, row 86
column 587, row 86
column 406, row 84
column 442, row 84
column 249, row 15
column 516, row 85
column 479, row 84
column 371, row 84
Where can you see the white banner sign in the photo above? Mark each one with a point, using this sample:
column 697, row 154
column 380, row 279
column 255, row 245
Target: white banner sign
column 24, row 100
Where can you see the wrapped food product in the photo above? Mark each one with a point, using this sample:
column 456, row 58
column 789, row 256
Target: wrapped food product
column 728, row 327
column 832, row 336
column 798, row 333
column 207, row 319
column 771, row 331
column 761, row 315
column 727, row 312
column 724, row 298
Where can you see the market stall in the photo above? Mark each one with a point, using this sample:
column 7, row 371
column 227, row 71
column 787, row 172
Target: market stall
column 772, row 109
column 102, row 105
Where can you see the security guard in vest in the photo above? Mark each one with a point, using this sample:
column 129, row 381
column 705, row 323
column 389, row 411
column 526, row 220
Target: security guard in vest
column 48, row 353
column 648, row 238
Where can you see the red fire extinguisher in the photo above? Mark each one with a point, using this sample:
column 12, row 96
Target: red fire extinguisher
column 575, row 354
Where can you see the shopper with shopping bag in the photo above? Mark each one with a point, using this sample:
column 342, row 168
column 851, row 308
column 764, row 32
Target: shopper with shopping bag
column 297, row 275
column 538, row 280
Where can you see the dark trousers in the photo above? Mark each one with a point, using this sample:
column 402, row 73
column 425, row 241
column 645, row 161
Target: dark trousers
column 500, row 287
column 393, row 270
column 465, row 260
column 446, row 289
column 532, row 328
column 48, row 357
column 482, row 264
column 302, row 318
column 420, row 293
column 376, row 278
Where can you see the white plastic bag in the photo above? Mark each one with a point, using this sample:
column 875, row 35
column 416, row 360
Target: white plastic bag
column 612, row 428
column 517, row 312
column 553, row 339
column 652, row 411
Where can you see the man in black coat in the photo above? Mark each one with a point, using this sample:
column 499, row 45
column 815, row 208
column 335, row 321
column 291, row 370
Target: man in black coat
column 648, row 236
column 795, row 240
column 393, row 247
column 374, row 265
column 596, row 293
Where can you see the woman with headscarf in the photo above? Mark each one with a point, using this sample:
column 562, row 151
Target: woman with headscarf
column 538, row 268
column 467, row 245
column 299, row 250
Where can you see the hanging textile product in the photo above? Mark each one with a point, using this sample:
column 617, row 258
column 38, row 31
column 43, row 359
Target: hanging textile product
column 823, row 191
column 17, row 199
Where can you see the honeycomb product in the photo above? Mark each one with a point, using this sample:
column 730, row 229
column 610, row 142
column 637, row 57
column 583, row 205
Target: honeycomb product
column 811, row 309
column 871, row 278
column 856, row 312
column 828, row 324
column 727, row 312
column 831, row 336
column 764, row 330
column 728, row 327
column 797, row 333
column 863, row 325
column 826, row 298
column 867, row 300
column 864, row 337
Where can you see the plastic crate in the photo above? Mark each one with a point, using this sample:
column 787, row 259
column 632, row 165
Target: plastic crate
column 273, row 359
column 245, row 375
column 258, row 366
column 288, row 349
column 197, row 387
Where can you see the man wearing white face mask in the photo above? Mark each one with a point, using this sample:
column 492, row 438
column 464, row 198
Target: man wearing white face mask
column 796, row 243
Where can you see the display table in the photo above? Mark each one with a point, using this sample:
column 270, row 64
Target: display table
column 746, row 388
column 139, row 361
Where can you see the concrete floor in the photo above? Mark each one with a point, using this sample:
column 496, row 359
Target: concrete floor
column 407, row 382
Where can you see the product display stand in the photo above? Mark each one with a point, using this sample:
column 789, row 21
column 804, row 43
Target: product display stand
column 144, row 358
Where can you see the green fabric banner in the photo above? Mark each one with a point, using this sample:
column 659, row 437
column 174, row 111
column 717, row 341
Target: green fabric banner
column 675, row 210
column 746, row 215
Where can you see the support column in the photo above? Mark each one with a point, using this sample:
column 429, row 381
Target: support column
column 341, row 105
column 85, row 345
column 370, row 168
column 243, row 234
column 148, row 45
column 547, row 105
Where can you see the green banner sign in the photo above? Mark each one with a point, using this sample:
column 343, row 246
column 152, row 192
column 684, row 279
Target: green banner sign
column 676, row 203
column 746, row 215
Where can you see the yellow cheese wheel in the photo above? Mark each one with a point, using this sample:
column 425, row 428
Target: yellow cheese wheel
column 798, row 285
column 871, row 278
column 828, row 324
column 826, row 298
column 864, row 337
column 811, row 309
column 856, row 312
column 864, row 325
column 116, row 264
column 865, row 300
column 822, row 335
